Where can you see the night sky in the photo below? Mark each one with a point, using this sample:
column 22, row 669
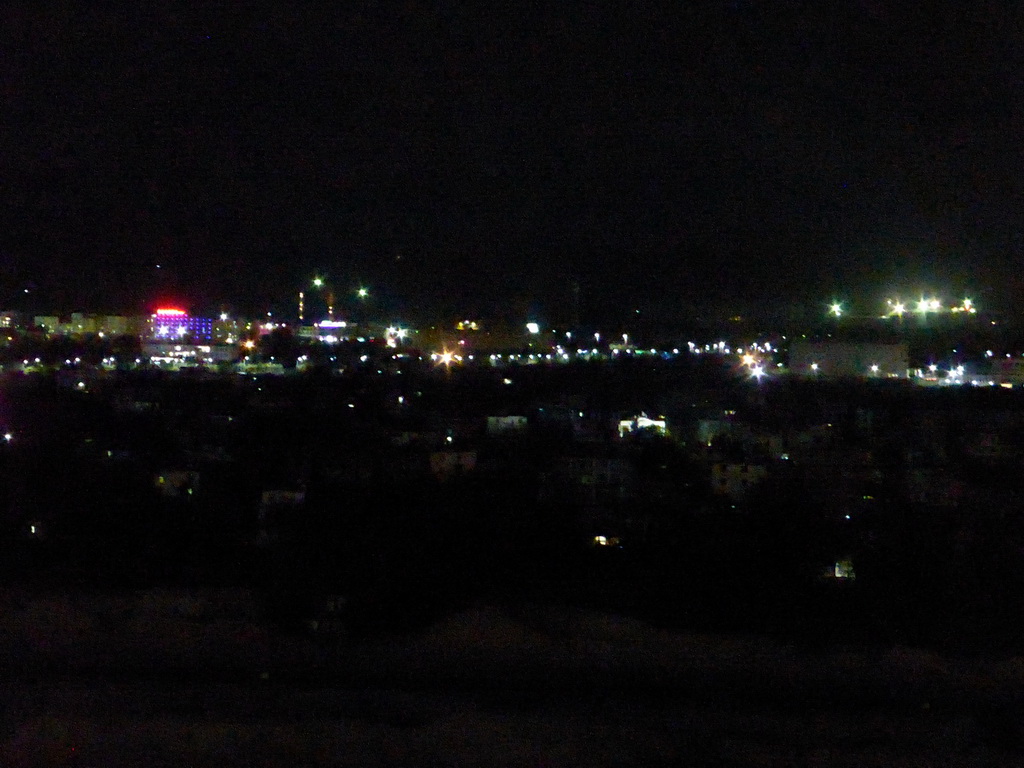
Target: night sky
column 693, row 157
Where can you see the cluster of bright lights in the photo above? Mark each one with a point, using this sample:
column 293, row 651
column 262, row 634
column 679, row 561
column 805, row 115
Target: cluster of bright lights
column 719, row 347
column 446, row 358
column 896, row 307
column 956, row 373
column 394, row 334
column 930, row 305
column 924, row 305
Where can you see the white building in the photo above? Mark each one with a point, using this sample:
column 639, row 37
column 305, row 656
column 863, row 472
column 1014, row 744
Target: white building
column 189, row 355
column 643, row 422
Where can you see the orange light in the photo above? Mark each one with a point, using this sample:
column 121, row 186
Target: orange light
column 168, row 312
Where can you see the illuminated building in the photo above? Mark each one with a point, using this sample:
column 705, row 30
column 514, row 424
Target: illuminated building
column 175, row 356
column 171, row 324
column 85, row 324
column 639, row 424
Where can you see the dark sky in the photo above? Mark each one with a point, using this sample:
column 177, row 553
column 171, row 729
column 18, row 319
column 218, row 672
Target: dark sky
column 710, row 154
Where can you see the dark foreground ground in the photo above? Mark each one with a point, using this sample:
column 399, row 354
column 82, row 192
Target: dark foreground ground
column 198, row 678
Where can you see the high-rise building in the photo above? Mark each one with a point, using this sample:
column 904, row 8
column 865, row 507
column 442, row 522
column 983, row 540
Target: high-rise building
column 173, row 324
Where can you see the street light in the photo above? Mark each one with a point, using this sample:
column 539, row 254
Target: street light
column 836, row 309
column 320, row 283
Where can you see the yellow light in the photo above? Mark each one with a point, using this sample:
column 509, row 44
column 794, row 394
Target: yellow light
column 836, row 309
column 249, row 344
column 899, row 308
column 748, row 359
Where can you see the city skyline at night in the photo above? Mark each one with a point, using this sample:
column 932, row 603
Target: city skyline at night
column 714, row 159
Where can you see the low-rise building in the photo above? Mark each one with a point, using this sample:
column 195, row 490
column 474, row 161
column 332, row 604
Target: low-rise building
column 736, row 480
column 188, row 355
column 446, row 465
column 506, row 425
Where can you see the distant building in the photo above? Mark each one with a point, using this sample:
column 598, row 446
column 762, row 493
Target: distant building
column 170, row 355
column 177, row 483
column 641, row 425
column 86, row 324
column 227, row 330
column 48, row 323
column 736, row 480
column 10, row 319
column 593, row 478
column 445, row 465
column 506, row 425
column 176, row 324
column 848, row 360
column 1006, row 372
